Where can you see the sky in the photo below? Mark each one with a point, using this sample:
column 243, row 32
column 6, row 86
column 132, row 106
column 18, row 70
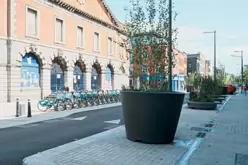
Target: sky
column 227, row 17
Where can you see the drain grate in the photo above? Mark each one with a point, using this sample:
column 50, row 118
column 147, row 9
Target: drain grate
column 209, row 125
column 241, row 159
column 199, row 129
column 201, row 134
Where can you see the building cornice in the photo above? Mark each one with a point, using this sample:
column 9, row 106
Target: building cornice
column 80, row 12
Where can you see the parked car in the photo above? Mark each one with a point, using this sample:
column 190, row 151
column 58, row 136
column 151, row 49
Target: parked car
column 231, row 88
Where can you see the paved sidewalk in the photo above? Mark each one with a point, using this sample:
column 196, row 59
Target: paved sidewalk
column 112, row 147
column 8, row 110
column 48, row 116
column 227, row 144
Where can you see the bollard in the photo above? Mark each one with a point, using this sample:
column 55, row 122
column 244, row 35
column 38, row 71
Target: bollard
column 17, row 107
column 29, row 109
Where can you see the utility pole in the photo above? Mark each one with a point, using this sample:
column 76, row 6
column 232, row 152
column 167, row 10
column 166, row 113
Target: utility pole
column 214, row 55
column 242, row 68
column 170, row 46
column 242, row 71
column 214, row 32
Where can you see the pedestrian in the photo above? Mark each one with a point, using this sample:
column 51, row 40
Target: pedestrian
column 245, row 88
column 66, row 89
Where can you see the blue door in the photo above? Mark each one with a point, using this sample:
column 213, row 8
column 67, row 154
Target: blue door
column 95, row 79
column 78, row 81
column 173, row 85
column 109, row 78
column 30, row 72
column 57, row 78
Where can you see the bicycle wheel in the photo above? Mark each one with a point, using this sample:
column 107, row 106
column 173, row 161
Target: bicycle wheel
column 42, row 108
column 59, row 106
column 95, row 101
column 83, row 103
column 90, row 102
column 68, row 105
column 76, row 103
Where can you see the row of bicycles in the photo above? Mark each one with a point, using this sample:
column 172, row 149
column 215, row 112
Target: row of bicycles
column 80, row 99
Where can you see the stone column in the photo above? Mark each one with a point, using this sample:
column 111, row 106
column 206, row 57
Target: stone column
column 103, row 81
column 87, row 80
column 14, row 82
column 69, row 78
column 116, row 81
column 45, row 81
column 3, row 83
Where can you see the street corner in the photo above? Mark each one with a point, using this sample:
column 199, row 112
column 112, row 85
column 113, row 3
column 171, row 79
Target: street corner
column 37, row 159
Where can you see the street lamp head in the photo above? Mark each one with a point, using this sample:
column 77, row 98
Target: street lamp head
column 237, row 51
column 235, row 56
column 209, row 32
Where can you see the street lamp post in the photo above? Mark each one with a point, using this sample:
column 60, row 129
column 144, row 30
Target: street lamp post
column 170, row 46
column 214, row 32
column 242, row 68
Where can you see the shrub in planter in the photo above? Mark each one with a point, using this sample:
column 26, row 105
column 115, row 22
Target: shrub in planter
column 203, row 98
column 151, row 114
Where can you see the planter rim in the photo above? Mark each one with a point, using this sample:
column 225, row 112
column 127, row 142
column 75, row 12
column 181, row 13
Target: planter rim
column 173, row 93
column 195, row 102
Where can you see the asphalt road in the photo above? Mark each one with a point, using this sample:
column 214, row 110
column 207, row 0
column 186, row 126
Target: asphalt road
column 19, row 142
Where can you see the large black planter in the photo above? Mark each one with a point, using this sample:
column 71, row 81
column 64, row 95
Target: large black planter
column 202, row 105
column 151, row 117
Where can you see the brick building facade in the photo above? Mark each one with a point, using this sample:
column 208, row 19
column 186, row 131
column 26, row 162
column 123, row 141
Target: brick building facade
column 49, row 44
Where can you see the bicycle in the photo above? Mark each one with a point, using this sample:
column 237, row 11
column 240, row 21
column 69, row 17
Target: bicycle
column 52, row 101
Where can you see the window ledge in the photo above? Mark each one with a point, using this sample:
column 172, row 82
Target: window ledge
column 80, row 47
column 96, row 51
column 30, row 88
column 60, row 43
column 33, row 37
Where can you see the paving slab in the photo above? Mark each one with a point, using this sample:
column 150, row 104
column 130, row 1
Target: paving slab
column 108, row 148
column 227, row 144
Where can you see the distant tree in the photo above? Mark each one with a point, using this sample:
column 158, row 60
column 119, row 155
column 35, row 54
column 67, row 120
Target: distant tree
column 148, row 27
column 246, row 76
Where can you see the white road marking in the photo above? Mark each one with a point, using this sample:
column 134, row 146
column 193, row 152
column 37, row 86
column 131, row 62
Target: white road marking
column 79, row 118
column 113, row 121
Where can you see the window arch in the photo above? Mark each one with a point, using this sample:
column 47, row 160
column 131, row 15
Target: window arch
column 96, row 77
column 57, row 75
column 78, row 80
column 109, row 77
column 30, row 71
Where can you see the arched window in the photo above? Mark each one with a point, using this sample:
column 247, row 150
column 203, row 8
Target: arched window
column 95, row 79
column 30, row 72
column 109, row 78
column 78, row 82
column 57, row 78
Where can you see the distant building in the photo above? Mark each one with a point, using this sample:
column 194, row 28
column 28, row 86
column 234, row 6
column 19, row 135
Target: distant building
column 148, row 69
column 179, row 71
column 207, row 68
column 47, row 45
column 197, row 64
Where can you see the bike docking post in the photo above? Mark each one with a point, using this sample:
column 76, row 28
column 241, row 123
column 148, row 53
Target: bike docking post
column 29, row 109
column 17, row 108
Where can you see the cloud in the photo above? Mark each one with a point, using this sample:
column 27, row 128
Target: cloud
column 192, row 40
